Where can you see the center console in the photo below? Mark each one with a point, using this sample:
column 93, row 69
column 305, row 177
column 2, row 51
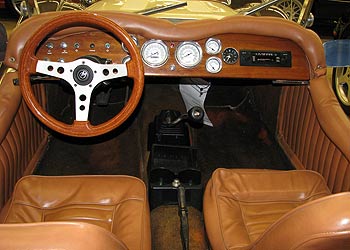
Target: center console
column 173, row 159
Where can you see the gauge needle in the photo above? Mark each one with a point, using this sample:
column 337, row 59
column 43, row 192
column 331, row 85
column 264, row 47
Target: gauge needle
column 188, row 54
column 153, row 54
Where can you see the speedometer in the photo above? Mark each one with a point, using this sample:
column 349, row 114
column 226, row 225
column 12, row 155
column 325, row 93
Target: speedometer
column 188, row 54
column 154, row 53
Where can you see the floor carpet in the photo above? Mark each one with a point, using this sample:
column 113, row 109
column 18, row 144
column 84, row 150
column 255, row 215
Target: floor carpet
column 119, row 154
column 166, row 229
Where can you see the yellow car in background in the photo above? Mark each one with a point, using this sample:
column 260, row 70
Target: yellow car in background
column 295, row 10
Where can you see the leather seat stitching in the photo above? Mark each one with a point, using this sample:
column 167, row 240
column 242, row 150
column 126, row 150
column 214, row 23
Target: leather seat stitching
column 218, row 211
column 233, row 197
column 319, row 236
column 73, row 204
column 244, row 221
column 284, row 217
column 142, row 224
column 113, row 216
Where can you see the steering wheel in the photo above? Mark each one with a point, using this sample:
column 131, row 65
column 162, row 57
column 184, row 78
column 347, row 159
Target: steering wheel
column 83, row 75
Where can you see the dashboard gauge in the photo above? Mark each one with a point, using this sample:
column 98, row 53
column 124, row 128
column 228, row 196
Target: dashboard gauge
column 230, row 55
column 213, row 65
column 188, row 54
column 213, row 46
column 154, row 53
column 136, row 41
column 126, row 59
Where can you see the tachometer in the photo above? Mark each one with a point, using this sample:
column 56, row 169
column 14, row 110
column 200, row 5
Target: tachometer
column 154, row 53
column 188, row 54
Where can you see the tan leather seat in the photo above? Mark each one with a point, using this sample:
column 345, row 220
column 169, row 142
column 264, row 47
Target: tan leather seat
column 267, row 209
column 57, row 235
column 116, row 203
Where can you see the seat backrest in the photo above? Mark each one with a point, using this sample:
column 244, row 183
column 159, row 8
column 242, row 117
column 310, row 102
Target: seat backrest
column 323, row 224
column 57, row 235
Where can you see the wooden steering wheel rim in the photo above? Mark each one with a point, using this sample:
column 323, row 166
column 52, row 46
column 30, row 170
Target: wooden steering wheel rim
column 28, row 64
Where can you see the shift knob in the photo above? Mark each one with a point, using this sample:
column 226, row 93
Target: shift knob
column 196, row 114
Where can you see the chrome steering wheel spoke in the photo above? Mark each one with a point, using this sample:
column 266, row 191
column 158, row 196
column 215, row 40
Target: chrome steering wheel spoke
column 83, row 75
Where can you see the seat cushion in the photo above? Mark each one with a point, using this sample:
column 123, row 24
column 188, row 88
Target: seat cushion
column 116, row 203
column 239, row 204
column 322, row 224
column 57, row 235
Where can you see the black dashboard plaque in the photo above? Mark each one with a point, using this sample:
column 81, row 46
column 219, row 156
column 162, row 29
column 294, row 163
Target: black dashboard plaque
column 265, row 58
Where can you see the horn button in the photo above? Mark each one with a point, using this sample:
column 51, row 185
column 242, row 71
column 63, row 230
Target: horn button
column 83, row 75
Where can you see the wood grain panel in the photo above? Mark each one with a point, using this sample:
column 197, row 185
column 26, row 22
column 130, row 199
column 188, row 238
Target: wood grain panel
column 299, row 70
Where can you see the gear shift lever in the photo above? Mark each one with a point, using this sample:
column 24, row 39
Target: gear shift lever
column 195, row 114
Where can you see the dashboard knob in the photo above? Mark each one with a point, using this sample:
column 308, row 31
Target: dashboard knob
column 49, row 45
column 63, row 45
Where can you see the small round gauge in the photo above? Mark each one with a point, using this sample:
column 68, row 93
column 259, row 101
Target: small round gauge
column 136, row 41
column 213, row 65
column 154, row 53
column 126, row 59
column 188, row 54
column 230, row 55
column 213, row 46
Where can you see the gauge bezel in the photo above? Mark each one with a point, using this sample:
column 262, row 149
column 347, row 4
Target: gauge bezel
column 136, row 41
column 213, row 58
column 159, row 42
column 197, row 46
column 237, row 53
column 218, row 41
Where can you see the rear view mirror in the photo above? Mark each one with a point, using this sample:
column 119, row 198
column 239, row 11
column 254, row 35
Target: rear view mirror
column 337, row 53
column 3, row 42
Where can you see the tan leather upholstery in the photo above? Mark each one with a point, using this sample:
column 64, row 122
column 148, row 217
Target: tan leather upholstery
column 22, row 138
column 116, row 203
column 267, row 209
column 57, row 235
column 314, row 132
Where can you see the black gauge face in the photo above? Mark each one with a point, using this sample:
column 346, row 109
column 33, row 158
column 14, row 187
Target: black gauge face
column 230, row 55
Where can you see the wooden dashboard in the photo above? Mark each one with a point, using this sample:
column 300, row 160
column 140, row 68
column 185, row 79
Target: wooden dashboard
column 71, row 46
column 262, row 47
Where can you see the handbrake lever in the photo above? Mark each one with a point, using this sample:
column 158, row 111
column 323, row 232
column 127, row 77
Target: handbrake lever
column 183, row 214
